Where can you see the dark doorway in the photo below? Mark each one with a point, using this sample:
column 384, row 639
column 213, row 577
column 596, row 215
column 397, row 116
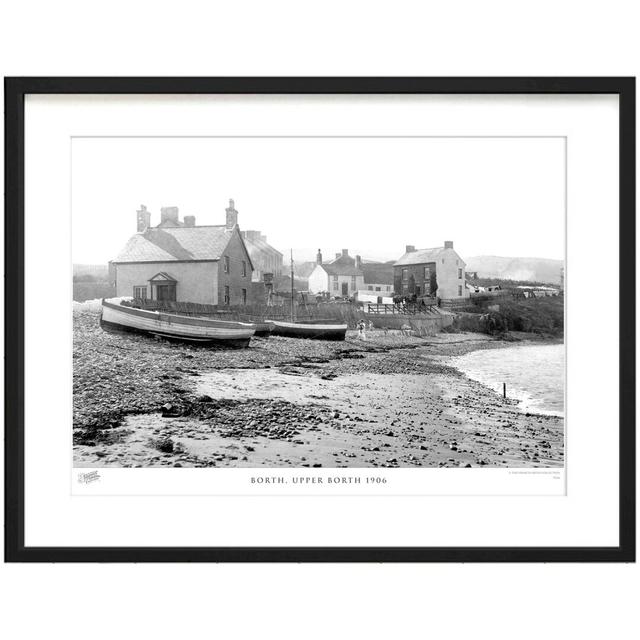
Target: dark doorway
column 345, row 288
column 166, row 292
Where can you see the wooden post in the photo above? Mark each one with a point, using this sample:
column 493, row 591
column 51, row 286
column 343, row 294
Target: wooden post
column 504, row 389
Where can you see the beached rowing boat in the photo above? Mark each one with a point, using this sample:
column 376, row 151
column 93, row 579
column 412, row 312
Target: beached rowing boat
column 176, row 327
column 311, row 330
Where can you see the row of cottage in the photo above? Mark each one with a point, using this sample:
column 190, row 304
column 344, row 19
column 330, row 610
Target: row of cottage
column 178, row 260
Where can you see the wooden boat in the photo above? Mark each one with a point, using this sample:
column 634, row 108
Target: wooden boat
column 261, row 329
column 313, row 329
column 176, row 327
column 316, row 331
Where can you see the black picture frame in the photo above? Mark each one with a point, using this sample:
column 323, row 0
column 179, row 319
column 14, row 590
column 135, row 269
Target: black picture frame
column 15, row 91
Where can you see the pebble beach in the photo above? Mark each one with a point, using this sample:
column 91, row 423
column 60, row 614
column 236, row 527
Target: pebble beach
column 389, row 401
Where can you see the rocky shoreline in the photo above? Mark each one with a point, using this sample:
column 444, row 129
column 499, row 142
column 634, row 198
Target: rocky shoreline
column 388, row 401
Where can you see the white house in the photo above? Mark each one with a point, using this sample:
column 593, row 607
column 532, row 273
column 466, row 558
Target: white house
column 341, row 277
column 180, row 261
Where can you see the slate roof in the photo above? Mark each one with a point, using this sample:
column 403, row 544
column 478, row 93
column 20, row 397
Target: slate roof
column 422, row 256
column 172, row 244
column 341, row 269
column 257, row 246
column 378, row 273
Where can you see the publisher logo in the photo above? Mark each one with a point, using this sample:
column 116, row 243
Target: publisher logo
column 88, row 477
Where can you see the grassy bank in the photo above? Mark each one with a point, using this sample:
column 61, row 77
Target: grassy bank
column 541, row 316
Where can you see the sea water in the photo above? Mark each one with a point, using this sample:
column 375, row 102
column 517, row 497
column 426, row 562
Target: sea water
column 534, row 374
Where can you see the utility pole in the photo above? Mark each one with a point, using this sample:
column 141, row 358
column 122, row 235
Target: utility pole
column 292, row 285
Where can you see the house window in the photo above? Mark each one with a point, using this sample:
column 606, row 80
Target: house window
column 335, row 285
column 370, row 287
column 226, row 295
column 405, row 275
column 244, row 269
column 427, row 273
column 459, row 274
column 377, row 288
column 226, row 264
column 244, row 296
column 140, row 292
column 335, row 278
column 353, row 282
column 460, row 290
column 388, row 287
column 442, row 260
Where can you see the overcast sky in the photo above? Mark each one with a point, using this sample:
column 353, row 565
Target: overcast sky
column 491, row 196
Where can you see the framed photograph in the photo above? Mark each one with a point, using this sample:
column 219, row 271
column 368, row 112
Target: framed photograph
column 320, row 319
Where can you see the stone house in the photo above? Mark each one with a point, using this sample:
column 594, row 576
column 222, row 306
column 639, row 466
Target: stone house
column 378, row 277
column 438, row 272
column 180, row 261
column 341, row 277
column 265, row 258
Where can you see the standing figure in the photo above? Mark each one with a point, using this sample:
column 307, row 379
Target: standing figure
column 361, row 334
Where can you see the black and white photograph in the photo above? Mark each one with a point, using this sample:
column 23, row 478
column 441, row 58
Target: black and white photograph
column 364, row 316
column 319, row 301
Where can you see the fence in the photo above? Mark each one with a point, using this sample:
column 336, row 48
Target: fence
column 408, row 309
column 321, row 311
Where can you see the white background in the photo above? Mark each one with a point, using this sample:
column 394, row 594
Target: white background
column 331, row 38
column 344, row 187
column 586, row 516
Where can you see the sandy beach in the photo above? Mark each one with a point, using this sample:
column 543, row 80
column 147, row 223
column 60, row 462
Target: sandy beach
column 391, row 401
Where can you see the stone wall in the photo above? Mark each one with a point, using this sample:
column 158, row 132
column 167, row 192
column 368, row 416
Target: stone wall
column 420, row 325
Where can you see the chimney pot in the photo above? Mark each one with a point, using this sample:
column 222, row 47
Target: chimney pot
column 409, row 248
column 448, row 244
column 170, row 215
column 144, row 219
column 319, row 257
column 232, row 215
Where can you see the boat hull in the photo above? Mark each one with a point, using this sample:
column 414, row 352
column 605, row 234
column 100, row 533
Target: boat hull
column 174, row 327
column 309, row 331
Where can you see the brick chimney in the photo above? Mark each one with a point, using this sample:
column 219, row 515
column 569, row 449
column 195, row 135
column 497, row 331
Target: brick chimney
column 358, row 262
column 319, row 257
column 409, row 248
column 345, row 253
column 189, row 221
column 144, row 219
column 448, row 244
column 232, row 215
column 169, row 215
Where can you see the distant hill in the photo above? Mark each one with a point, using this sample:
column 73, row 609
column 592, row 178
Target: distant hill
column 530, row 269
column 302, row 269
column 99, row 271
column 91, row 281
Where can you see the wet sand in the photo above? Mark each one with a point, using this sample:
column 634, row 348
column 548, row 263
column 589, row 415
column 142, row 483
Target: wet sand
column 388, row 402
